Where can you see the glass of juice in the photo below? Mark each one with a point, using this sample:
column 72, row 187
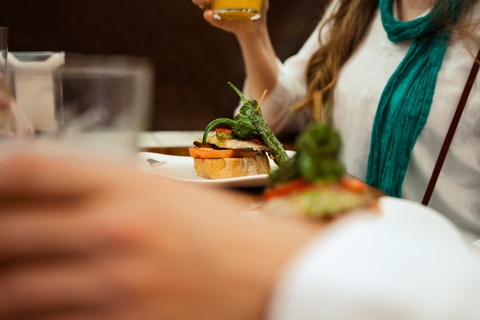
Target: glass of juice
column 236, row 9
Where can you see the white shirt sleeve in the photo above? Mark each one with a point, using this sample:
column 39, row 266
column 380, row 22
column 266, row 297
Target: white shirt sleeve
column 408, row 264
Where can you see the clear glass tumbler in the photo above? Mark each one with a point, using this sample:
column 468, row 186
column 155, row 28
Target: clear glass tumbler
column 103, row 102
column 93, row 106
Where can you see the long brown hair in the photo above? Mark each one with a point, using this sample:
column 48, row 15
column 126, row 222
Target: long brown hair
column 348, row 25
column 347, row 28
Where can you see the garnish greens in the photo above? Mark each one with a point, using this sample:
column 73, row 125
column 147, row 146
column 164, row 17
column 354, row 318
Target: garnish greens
column 249, row 123
column 316, row 159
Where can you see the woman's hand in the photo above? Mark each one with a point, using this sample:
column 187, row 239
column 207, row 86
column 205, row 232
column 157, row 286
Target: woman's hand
column 87, row 240
column 257, row 49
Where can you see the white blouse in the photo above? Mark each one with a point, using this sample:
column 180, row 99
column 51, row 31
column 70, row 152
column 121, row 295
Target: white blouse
column 360, row 85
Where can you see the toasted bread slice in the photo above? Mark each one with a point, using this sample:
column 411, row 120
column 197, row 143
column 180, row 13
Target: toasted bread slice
column 224, row 168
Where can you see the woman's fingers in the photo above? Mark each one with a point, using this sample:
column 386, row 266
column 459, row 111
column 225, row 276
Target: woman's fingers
column 43, row 175
column 112, row 284
column 27, row 290
column 25, row 234
column 208, row 16
column 49, row 207
column 31, row 232
column 202, row 4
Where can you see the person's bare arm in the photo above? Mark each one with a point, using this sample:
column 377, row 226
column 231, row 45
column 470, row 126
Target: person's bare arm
column 257, row 50
column 260, row 60
column 86, row 240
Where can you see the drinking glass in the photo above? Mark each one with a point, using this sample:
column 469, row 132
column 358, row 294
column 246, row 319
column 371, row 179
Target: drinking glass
column 236, row 9
column 103, row 103
column 94, row 107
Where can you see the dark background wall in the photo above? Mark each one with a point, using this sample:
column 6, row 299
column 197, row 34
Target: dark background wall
column 193, row 61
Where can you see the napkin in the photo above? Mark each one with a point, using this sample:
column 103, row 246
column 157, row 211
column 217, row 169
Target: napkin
column 33, row 90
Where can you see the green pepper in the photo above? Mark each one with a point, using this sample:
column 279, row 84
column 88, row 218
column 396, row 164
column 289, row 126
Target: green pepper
column 316, row 158
column 249, row 123
column 287, row 173
column 269, row 138
column 241, row 130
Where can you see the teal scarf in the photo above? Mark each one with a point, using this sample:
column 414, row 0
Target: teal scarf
column 405, row 102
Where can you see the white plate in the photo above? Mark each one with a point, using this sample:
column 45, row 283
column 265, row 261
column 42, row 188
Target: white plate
column 181, row 168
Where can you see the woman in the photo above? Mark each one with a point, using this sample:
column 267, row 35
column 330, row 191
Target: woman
column 363, row 71
column 99, row 240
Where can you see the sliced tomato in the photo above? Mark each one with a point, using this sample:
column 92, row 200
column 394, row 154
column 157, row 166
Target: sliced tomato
column 353, row 184
column 224, row 131
column 255, row 140
column 210, row 153
column 287, row 188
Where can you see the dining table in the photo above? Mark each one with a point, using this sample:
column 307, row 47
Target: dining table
column 176, row 143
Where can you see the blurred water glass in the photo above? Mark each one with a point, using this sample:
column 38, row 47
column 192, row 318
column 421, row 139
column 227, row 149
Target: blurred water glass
column 94, row 105
column 104, row 102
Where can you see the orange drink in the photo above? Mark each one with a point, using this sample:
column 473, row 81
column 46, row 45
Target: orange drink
column 236, row 9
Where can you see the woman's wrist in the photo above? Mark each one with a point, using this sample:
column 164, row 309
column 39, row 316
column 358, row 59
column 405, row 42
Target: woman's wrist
column 254, row 32
column 260, row 60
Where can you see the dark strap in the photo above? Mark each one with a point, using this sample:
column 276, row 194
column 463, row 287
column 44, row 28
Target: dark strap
column 451, row 131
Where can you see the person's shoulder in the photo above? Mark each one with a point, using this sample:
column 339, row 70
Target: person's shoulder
column 471, row 18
